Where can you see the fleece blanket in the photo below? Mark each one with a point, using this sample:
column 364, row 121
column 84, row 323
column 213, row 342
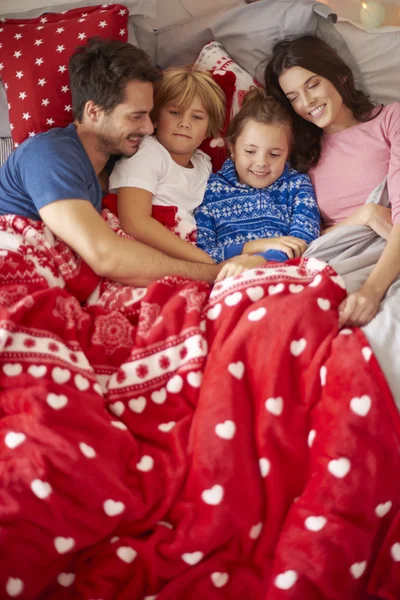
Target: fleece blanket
column 182, row 443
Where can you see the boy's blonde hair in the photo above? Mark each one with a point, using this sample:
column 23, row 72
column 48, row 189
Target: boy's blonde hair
column 182, row 84
column 260, row 107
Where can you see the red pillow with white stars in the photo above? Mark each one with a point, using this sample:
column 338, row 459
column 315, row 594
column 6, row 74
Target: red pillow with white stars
column 34, row 56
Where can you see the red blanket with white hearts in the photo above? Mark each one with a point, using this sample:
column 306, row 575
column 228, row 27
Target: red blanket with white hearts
column 168, row 443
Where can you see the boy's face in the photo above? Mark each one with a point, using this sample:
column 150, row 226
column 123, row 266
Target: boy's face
column 182, row 131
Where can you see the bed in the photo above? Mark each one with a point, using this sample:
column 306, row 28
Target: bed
column 178, row 441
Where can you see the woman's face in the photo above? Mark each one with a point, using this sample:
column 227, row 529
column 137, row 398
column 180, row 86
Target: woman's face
column 315, row 99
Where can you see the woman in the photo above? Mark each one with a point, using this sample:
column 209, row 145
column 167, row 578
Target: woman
column 348, row 145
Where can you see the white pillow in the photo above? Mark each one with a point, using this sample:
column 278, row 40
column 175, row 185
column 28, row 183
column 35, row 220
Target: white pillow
column 377, row 54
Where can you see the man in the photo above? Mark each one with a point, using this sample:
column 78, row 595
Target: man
column 54, row 176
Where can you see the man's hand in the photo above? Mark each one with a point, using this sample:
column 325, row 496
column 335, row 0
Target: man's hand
column 292, row 246
column 239, row 264
column 359, row 308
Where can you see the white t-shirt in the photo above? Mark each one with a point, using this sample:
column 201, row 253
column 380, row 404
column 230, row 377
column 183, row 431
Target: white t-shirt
column 153, row 169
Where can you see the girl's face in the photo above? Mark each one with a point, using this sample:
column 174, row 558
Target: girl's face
column 316, row 99
column 182, row 131
column 260, row 153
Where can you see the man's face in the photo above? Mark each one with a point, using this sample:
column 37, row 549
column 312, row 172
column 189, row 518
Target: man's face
column 120, row 131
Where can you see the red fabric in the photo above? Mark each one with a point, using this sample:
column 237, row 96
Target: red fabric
column 34, row 56
column 247, row 449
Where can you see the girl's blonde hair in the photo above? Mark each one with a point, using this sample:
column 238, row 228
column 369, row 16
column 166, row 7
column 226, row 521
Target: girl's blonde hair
column 182, row 84
column 258, row 106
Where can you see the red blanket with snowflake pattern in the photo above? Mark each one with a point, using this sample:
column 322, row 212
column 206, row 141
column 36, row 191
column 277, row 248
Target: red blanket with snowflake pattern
column 175, row 444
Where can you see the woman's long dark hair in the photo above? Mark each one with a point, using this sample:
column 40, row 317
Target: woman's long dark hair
column 313, row 54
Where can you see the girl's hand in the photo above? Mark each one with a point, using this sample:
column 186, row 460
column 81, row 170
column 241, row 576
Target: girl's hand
column 290, row 245
column 359, row 308
column 239, row 264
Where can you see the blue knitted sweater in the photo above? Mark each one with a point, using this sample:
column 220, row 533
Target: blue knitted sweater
column 233, row 213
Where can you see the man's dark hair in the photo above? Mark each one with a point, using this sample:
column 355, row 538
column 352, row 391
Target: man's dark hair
column 100, row 71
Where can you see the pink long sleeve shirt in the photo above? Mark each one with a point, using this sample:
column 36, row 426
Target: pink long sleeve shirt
column 356, row 160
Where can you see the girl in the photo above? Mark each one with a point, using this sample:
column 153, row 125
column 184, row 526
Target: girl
column 161, row 185
column 257, row 203
column 349, row 145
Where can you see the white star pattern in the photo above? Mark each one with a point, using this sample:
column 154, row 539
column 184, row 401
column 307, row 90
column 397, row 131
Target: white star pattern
column 39, row 27
column 11, row 126
column 45, row 102
column 38, row 42
column 64, row 88
column 18, row 36
column 16, row 145
column 50, row 121
column 68, row 108
column 6, row 86
column 84, row 15
column 43, row 20
column 39, row 61
column 26, row 116
column 103, row 24
column 1, row 29
column 1, row 45
column 122, row 32
column 42, row 82
column 17, row 53
column 19, row 74
column 60, row 48
column 122, row 12
column 81, row 36
column 1, row 66
column 32, row 134
column 60, row 30
column 81, row 20
column 23, row 95
column 9, row 106
column 62, row 68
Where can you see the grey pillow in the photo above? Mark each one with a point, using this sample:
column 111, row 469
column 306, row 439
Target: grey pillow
column 4, row 122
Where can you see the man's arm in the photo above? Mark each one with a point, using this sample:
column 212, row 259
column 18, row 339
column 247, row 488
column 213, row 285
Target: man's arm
column 78, row 224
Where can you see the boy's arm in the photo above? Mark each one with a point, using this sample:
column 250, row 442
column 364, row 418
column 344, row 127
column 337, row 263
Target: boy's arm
column 78, row 224
column 134, row 211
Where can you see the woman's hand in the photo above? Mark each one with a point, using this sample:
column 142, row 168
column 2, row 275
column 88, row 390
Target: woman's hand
column 239, row 264
column 379, row 218
column 360, row 307
column 292, row 246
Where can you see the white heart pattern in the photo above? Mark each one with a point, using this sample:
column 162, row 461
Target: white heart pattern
column 37, row 370
column 14, row 586
column 14, row 439
column 296, row 288
column 57, row 402
column 382, row 509
column 323, row 373
column 339, row 467
column 338, row 279
column 138, row 405
column 166, row 427
column 217, row 142
column 233, row 299
column 274, row 406
column 219, row 579
column 297, row 346
column 214, row 312
column 236, row 369
column 12, row 370
column 192, row 558
column 286, row 580
column 41, row 489
column 361, row 406
column 66, row 579
column 225, row 430
column 257, row 315
column 323, row 303
column 81, row 382
column 60, row 375
column 160, row 396
column 175, row 384
column 117, row 408
column 255, row 531
column 195, row 378
column 214, row 495
column 316, row 281
column 87, row 450
column 113, row 508
column 119, row 425
column 126, row 554
column 315, row 264
column 145, row 464
column 311, row 437
column 357, row 569
column 63, row 544
column 255, row 293
column 265, row 466
column 315, row 523
column 345, row 331
column 276, row 289
column 367, row 353
column 395, row 552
